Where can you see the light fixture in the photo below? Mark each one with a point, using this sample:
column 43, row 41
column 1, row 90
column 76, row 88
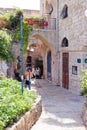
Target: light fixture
column 32, row 49
column 28, row 48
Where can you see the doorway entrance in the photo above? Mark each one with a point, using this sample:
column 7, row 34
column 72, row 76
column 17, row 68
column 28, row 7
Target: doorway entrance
column 49, row 65
column 39, row 63
column 29, row 61
column 65, row 70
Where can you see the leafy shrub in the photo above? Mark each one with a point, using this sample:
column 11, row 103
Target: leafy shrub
column 12, row 102
column 11, row 21
column 84, row 83
column 5, row 45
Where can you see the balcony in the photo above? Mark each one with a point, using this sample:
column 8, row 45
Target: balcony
column 45, row 23
column 44, row 30
column 51, row 24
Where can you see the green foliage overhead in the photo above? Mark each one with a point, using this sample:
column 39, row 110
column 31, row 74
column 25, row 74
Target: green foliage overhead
column 13, row 25
column 5, row 46
column 14, row 19
column 26, row 32
column 12, row 102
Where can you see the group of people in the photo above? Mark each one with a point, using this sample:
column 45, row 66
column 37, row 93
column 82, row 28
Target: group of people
column 29, row 74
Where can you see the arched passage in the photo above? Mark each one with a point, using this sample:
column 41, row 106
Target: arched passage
column 47, row 51
column 45, row 41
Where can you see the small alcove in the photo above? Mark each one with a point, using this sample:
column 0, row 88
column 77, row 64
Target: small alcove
column 64, row 42
column 64, row 12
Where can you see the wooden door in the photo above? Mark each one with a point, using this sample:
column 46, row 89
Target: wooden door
column 65, row 70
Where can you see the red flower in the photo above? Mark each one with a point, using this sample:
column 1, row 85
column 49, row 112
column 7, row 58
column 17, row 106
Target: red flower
column 29, row 21
column 46, row 23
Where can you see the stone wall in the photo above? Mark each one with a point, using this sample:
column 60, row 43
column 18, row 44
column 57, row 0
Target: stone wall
column 3, row 67
column 30, row 118
column 74, row 28
column 84, row 114
column 26, row 12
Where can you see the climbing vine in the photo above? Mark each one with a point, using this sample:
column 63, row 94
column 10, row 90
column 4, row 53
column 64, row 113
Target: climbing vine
column 15, row 29
column 11, row 22
column 26, row 32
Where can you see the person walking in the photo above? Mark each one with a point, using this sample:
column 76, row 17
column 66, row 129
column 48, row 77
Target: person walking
column 17, row 75
column 28, row 75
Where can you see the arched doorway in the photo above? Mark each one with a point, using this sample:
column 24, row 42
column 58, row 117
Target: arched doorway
column 39, row 63
column 49, row 65
column 29, row 61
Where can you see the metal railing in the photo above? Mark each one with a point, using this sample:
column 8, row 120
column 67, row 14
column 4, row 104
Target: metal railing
column 51, row 24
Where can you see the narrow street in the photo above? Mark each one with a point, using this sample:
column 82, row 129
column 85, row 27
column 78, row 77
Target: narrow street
column 61, row 108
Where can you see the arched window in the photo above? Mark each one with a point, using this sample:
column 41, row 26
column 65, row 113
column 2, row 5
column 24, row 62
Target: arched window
column 65, row 42
column 64, row 12
column 50, row 9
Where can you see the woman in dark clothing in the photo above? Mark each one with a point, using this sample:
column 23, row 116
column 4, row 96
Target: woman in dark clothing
column 17, row 75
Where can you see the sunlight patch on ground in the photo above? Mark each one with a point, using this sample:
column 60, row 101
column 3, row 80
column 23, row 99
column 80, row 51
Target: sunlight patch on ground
column 68, row 121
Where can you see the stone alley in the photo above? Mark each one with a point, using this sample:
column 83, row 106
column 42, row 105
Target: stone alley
column 61, row 110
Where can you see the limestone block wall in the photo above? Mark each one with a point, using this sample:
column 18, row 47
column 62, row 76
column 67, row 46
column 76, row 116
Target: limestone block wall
column 74, row 79
column 3, row 67
column 8, row 68
column 84, row 114
column 44, row 11
column 47, row 37
column 46, row 4
column 54, row 69
column 74, row 26
column 26, row 12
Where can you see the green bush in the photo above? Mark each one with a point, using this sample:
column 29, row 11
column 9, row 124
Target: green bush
column 12, row 102
column 84, row 83
column 5, row 45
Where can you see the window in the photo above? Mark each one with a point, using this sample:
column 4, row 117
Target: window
column 50, row 9
column 74, row 70
column 64, row 12
column 65, row 42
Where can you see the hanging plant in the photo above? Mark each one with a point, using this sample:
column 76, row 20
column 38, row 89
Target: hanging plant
column 26, row 32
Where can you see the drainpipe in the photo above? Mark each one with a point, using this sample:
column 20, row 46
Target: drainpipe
column 57, row 41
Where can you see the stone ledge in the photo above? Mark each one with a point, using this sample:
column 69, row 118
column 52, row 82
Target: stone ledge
column 29, row 118
column 84, row 114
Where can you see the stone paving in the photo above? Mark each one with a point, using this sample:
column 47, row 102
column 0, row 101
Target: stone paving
column 61, row 108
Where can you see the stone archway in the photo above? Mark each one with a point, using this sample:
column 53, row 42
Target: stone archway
column 46, row 49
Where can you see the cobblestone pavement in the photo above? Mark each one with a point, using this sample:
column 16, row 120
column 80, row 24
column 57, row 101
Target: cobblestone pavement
column 61, row 108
